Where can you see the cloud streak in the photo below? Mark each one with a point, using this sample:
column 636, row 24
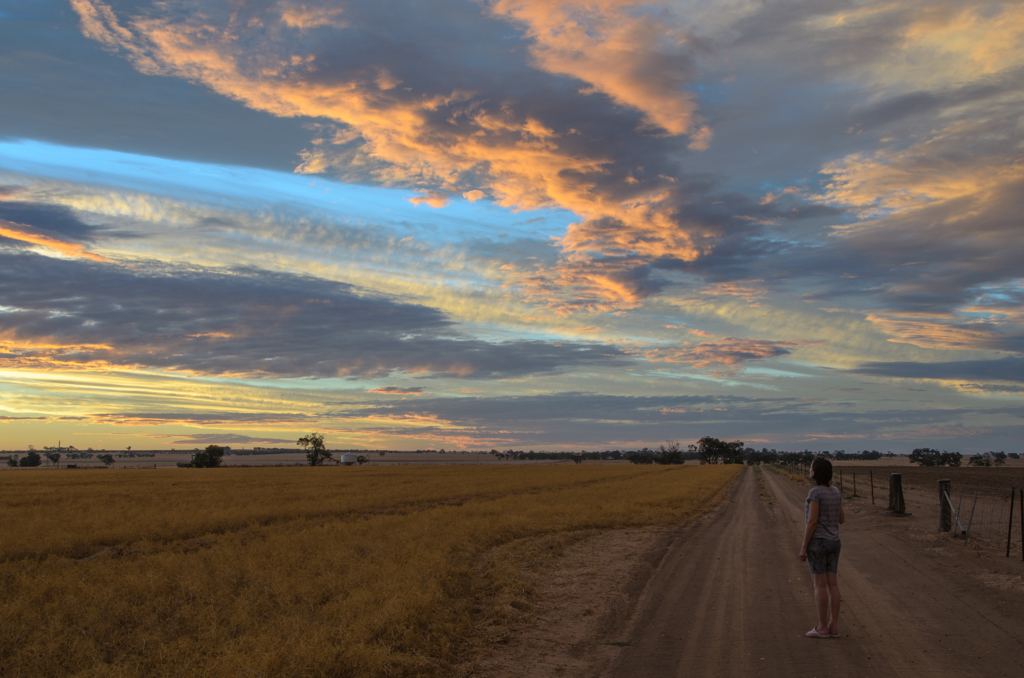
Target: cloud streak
column 244, row 323
column 1009, row 369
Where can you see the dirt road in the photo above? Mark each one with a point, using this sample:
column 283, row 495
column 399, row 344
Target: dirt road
column 730, row 598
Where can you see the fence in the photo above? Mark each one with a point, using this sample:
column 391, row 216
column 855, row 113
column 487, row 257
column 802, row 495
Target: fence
column 859, row 483
column 863, row 483
column 991, row 515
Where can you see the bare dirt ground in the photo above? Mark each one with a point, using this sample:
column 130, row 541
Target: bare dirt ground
column 726, row 596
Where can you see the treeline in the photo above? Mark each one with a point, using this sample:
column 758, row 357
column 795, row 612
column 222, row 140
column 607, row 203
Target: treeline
column 925, row 456
column 707, row 450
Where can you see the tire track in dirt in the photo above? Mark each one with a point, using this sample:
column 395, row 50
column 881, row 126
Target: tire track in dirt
column 730, row 598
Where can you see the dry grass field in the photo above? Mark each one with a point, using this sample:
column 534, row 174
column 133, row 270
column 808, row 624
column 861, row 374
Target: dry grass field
column 358, row 571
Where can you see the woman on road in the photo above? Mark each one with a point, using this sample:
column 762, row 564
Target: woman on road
column 824, row 514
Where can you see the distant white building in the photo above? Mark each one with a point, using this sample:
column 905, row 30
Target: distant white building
column 348, row 459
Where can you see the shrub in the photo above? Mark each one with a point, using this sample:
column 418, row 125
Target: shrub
column 208, row 458
column 643, row 456
column 712, row 451
column 30, row 459
column 926, row 456
column 670, row 454
column 316, row 451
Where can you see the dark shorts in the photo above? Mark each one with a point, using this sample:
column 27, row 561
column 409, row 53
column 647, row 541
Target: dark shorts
column 823, row 555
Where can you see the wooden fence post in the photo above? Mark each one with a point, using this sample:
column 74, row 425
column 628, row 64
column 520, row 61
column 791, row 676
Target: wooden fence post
column 945, row 510
column 896, row 502
column 1009, row 530
column 840, row 480
column 871, row 477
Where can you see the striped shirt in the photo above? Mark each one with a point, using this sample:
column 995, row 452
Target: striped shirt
column 829, row 500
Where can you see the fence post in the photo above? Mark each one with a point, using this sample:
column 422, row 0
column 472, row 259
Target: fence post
column 855, row 484
column 841, row 480
column 871, row 477
column 1009, row 530
column 1022, row 524
column 970, row 521
column 945, row 510
column 896, row 502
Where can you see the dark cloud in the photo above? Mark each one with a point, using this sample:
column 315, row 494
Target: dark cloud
column 56, row 218
column 602, row 422
column 926, row 102
column 508, row 410
column 245, row 322
column 995, row 388
column 1009, row 369
column 802, row 89
column 203, row 439
column 201, row 418
column 61, row 87
column 949, row 266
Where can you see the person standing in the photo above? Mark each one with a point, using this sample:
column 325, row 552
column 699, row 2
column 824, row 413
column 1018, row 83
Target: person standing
column 823, row 512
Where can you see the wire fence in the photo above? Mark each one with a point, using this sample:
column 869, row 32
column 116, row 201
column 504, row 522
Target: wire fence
column 855, row 483
column 865, row 483
column 991, row 515
column 982, row 514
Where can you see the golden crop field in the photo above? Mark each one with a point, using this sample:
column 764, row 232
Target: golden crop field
column 388, row 571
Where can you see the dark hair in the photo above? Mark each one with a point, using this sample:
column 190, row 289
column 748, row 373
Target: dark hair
column 821, row 470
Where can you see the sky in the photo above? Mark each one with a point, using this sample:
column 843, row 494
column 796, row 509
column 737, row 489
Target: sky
column 525, row 224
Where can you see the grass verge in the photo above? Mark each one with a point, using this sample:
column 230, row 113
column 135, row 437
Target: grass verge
column 762, row 489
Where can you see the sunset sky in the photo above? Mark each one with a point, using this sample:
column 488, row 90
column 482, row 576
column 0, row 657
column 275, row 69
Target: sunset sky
column 529, row 224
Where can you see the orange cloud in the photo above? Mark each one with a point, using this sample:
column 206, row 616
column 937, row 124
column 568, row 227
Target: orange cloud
column 397, row 390
column 937, row 332
column 912, row 178
column 938, row 432
column 621, row 49
column 729, row 351
column 38, row 236
column 49, row 355
column 579, row 330
column 436, row 199
column 583, row 283
column 302, row 16
column 442, row 439
column 220, row 420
